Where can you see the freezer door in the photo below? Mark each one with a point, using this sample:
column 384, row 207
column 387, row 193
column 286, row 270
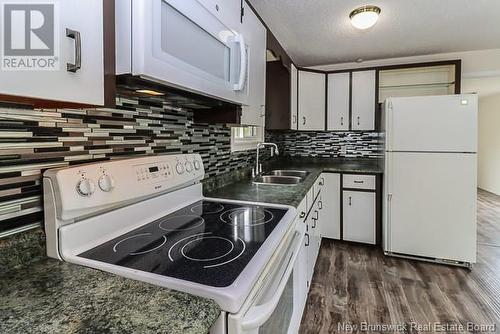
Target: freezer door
column 432, row 123
column 430, row 204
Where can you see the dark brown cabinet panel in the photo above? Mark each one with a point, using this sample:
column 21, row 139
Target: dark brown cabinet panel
column 277, row 96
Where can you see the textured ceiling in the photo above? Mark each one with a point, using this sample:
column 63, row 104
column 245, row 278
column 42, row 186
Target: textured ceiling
column 316, row 32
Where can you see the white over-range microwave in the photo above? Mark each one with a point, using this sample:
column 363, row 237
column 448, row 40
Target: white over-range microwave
column 184, row 44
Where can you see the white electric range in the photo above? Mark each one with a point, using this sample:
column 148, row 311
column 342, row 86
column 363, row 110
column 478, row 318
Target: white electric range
column 146, row 219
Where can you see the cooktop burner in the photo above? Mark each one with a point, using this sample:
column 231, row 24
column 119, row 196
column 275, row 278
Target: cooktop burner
column 180, row 223
column 247, row 216
column 207, row 208
column 140, row 243
column 207, row 242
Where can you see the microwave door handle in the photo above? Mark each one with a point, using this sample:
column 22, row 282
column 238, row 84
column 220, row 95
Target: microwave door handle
column 257, row 315
column 243, row 64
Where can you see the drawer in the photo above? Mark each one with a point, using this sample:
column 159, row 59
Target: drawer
column 356, row 181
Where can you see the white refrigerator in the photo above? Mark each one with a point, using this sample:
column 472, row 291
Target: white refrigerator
column 430, row 178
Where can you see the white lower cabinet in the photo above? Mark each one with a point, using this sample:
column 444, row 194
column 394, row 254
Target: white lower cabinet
column 320, row 211
column 359, row 216
column 330, row 206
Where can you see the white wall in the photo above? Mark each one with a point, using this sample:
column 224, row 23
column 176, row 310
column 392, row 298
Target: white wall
column 489, row 143
column 475, row 64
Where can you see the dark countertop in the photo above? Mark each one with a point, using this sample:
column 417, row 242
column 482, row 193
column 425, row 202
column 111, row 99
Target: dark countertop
column 43, row 295
column 292, row 195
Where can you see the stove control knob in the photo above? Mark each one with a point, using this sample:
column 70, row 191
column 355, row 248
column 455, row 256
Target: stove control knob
column 189, row 166
column 197, row 165
column 85, row 187
column 179, row 168
column 106, row 183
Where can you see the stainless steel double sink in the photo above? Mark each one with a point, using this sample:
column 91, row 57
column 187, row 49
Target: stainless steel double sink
column 281, row 176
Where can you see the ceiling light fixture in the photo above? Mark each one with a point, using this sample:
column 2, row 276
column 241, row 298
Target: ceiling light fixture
column 364, row 17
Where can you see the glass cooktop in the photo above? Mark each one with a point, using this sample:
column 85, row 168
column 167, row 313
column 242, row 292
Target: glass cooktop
column 208, row 242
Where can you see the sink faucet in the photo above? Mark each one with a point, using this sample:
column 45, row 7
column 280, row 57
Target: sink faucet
column 258, row 166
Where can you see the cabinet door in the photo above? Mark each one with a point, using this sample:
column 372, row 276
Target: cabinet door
column 317, row 227
column 86, row 84
column 311, row 104
column 330, row 203
column 293, row 97
column 255, row 38
column 302, row 271
column 363, row 100
column 359, row 216
column 311, row 256
column 338, row 101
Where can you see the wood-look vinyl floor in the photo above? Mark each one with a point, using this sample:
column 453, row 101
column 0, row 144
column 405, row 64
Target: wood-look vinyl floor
column 356, row 284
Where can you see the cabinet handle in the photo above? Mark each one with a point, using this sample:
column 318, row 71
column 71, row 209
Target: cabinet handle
column 320, row 205
column 342, row 120
column 317, row 216
column 358, row 120
column 350, row 200
column 302, row 214
column 78, row 50
column 314, row 223
column 307, row 243
column 322, row 181
column 294, row 119
column 303, row 120
column 356, row 181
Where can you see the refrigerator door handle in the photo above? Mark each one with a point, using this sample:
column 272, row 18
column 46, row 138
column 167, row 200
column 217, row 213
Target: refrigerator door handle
column 389, row 221
column 389, row 129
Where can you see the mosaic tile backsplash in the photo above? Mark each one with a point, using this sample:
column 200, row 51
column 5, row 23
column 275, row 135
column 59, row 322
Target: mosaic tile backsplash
column 328, row 144
column 32, row 141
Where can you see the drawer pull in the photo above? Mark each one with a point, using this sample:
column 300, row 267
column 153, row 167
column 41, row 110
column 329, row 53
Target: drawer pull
column 307, row 243
column 302, row 214
column 320, row 205
column 356, row 181
column 314, row 223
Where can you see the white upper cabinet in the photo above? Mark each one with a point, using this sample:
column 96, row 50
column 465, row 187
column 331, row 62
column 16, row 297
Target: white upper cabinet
column 363, row 100
column 293, row 97
column 253, row 113
column 338, row 101
column 75, row 47
column 311, row 101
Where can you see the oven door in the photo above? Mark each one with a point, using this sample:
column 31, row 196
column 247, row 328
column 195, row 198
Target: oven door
column 182, row 44
column 275, row 308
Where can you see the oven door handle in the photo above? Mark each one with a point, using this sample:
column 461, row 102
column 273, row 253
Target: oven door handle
column 257, row 315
